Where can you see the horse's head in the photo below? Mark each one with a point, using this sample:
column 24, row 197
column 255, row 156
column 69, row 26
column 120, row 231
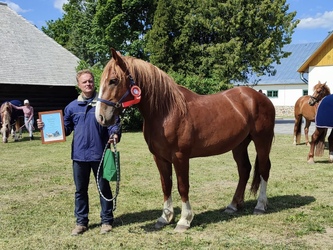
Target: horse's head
column 117, row 90
column 320, row 90
column 6, row 112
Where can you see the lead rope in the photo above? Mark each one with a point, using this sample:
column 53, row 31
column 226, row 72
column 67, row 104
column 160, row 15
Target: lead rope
column 114, row 199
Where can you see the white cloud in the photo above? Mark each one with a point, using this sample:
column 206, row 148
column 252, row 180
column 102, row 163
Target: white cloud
column 59, row 3
column 324, row 21
column 16, row 7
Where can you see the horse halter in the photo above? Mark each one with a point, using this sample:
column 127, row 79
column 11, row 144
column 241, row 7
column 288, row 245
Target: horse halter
column 316, row 99
column 134, row 90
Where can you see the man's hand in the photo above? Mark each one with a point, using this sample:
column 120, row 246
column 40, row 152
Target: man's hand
column 40, row 124
column 113, row 139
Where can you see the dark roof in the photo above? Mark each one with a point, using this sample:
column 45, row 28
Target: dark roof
column 28, row 56
column 286, row 71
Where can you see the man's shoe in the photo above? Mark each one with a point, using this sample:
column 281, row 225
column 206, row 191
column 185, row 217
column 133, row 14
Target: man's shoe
column 106, row 228
column 79, row 229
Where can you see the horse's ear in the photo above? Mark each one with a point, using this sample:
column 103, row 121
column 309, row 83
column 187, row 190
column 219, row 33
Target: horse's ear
column 115, row 53
column 118, row 58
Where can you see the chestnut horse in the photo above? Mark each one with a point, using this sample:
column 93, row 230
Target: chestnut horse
column 180, row 124
column 11, row 122
column 317, row 144
column 303, row 109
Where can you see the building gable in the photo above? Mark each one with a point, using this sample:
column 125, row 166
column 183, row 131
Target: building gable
column 323, row 56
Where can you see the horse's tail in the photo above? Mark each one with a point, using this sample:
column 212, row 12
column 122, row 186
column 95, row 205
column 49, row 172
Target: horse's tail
column 298, row 128
column 320, row 144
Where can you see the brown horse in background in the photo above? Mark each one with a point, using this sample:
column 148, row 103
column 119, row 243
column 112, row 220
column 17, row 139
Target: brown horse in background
column 180, row 124
column 10, row 125
column 304, row 109
column 317, row 144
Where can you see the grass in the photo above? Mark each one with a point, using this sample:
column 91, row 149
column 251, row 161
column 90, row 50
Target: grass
column 37, row 193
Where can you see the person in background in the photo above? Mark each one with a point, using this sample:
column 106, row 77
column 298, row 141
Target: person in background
column 89, row 141
column 28, row 112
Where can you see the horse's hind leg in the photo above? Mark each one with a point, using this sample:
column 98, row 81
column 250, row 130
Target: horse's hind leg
column 241, row 157
column 165, row 170
column 330, row 146
column 297, row 129
column 262, row 167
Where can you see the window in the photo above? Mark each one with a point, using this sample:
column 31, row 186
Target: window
column 305, row 92
column 272, row 93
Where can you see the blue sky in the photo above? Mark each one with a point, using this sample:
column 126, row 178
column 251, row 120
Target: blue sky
column 316, row 15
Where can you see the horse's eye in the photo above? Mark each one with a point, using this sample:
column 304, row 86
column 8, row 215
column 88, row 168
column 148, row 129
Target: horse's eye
column 113, row 81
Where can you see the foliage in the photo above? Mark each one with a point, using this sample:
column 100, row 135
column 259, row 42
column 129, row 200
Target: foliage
column 226, row 39
column 199, row 84
column 37, row 201
column 89, row 28
column 204, row 44
column 132, row 119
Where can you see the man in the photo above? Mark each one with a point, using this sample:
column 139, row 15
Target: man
column 89, row 141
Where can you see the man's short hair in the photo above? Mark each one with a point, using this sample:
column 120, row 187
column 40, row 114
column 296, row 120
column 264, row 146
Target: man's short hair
column 84, row 71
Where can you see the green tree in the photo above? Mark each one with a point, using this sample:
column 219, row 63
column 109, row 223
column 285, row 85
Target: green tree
column 89, row 28
column 74, row 30
column 223, row 39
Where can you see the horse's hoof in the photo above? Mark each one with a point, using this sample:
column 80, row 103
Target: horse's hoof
column 181, row 228
column 230, row 210
column 311, row 161
column 258, row 211
column 160, row 224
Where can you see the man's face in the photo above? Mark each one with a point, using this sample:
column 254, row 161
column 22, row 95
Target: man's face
column 86, row 84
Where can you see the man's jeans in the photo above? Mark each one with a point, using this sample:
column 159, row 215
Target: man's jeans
column 81, row 174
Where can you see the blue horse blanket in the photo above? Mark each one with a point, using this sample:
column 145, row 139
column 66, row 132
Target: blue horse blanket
column 324, row 116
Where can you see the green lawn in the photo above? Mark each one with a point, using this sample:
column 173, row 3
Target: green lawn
column 37, row 193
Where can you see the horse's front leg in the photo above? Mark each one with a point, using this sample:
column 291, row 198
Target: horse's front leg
column 4, row 135
column 165, row 169
column 182, row 164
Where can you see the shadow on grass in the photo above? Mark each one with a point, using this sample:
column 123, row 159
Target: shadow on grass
column 276, row 204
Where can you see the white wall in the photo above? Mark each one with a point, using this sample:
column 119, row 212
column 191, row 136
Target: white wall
column 287, row 94
column 322, row 74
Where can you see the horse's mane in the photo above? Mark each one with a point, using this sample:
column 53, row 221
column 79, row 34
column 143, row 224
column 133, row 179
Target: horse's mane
column 6, row 112
column 161, row 91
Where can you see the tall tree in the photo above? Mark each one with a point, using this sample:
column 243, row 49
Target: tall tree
column 89, row 28
column 74, row 29
column 228, row 39
column 122, row 24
